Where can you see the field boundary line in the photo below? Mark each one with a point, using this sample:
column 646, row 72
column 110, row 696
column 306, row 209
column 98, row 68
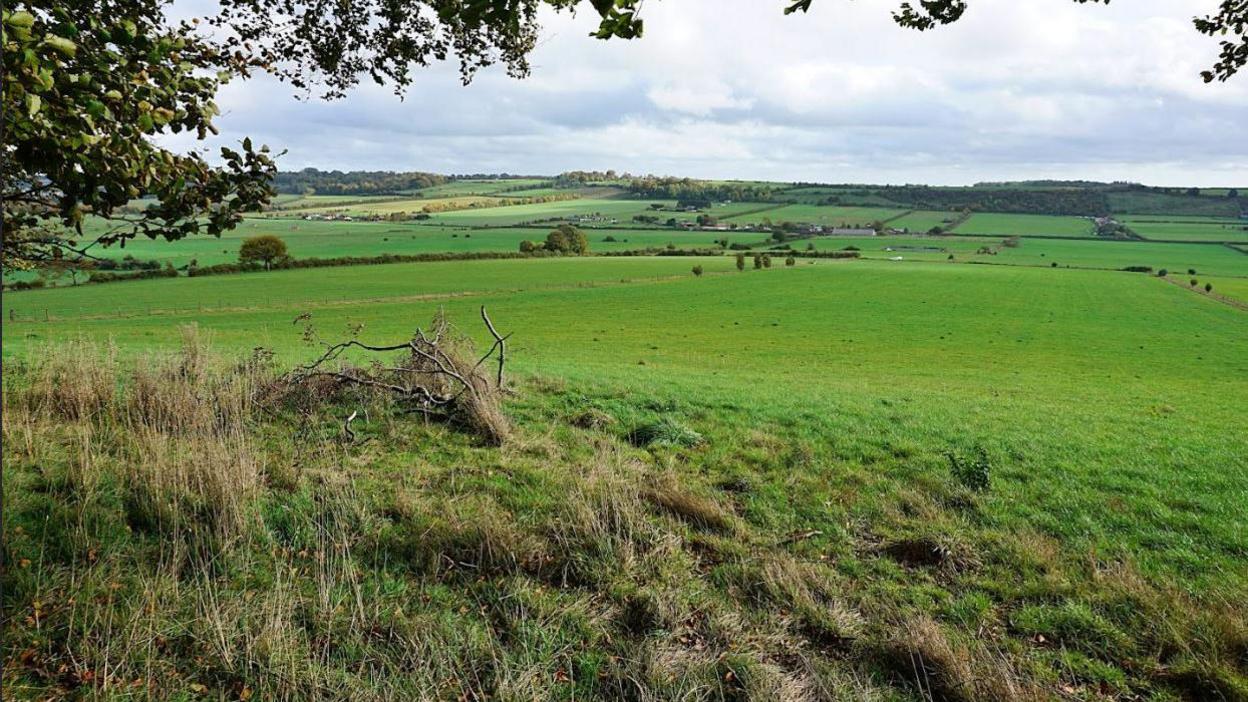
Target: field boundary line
column 758, row 210
column 1237, row 304
column 907, row 213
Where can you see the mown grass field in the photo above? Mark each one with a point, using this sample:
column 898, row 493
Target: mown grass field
column 821, row 214
column 797, row 533
column 1073, row 253
column 1235, row 288
column 392, row 205
column 921, row 221
column 348, row 285
column 1026, row 225
column 1210, row 230
column 620, row 210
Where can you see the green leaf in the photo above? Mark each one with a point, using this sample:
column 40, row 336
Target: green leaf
column 33, row 104
column 22, row 19
column 60, row 45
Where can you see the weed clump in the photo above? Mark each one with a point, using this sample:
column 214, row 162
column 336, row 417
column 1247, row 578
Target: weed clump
column 665, row 432
column 592, row 418
column 972, row 470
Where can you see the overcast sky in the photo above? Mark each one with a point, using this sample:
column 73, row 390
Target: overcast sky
column 735, row 89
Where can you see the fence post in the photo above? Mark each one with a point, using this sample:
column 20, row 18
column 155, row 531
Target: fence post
column 46, row 318
column 12, row 315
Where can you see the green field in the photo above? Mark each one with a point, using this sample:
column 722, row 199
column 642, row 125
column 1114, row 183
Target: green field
column 1030, row 476
column 391, row 205
column 825, row 215
column 1235, row 288
column 347, row 284
column 1191, row 230
column 317, row 239
column 1025, row 225
column 602, row 212
column 1040, row 337
column 1066, row 253
column 327, row 239
column 921, row 221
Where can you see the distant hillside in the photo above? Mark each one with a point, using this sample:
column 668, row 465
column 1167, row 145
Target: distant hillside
column 1050, row 197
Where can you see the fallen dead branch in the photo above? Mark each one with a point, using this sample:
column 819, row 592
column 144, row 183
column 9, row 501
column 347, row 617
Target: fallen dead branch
column 434, row 376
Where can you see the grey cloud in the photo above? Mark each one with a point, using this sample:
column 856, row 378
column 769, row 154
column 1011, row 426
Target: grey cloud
column 732, row 88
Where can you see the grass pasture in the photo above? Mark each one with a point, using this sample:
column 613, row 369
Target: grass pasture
column 316, row 239
column 920, row 221
column 289, row 289
column 826, row 215
column 806, row 505
column 1234, row 288
column 390, row 205
column 868, row 479
column 621, row 211
column 982, row 223
column 1212, row 229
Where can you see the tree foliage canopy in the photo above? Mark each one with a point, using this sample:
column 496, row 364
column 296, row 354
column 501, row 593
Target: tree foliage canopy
column 86, row 87
column 567, row 239
column 265, row 248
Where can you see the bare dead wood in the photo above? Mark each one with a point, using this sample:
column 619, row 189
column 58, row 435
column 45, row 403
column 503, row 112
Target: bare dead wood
column 434, row 378
column 346, row 427
column 500, row 342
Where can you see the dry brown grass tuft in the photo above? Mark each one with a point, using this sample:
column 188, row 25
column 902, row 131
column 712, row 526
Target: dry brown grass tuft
column 73, row 380
column 603, row 529
column 699, row 511
column 178, row 484
column 921, row 653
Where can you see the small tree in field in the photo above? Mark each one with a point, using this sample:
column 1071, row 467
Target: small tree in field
column 529, row 247
column 766, row 260
column 790, row 261
column 697, row 270
column 758, row 262
column 1208, row 287
column 1192, row 282
column 1163, row 273
column 567, row 239
column 740, row 261
column 265, row 249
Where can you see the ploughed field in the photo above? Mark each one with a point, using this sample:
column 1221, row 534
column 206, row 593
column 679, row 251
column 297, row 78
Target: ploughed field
column 906, row 479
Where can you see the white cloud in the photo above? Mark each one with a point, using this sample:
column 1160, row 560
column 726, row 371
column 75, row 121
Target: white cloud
column 733, row 88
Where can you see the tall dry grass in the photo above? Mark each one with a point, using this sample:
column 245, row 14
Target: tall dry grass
column 173, row 428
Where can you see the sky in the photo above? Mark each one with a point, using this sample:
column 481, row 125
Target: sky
column 1018, row 89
